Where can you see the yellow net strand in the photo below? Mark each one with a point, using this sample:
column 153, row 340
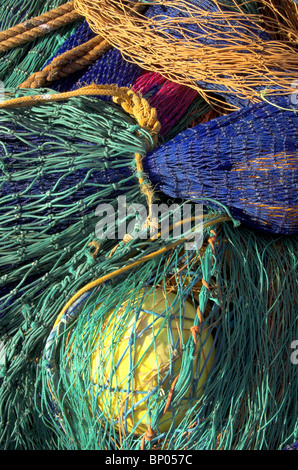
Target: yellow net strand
column 152, row 43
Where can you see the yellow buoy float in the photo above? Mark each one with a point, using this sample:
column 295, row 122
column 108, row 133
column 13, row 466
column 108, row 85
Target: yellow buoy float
column 139, row 353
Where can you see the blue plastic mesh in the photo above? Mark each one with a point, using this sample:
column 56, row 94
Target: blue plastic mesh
column 247, row 160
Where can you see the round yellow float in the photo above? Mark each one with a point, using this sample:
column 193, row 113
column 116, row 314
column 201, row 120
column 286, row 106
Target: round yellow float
column 135, row 350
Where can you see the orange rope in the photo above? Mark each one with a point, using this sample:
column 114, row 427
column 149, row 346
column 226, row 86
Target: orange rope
column 171, row 391
column 68, row 63
column 38, row 26
column 37, row 21
column 148, row 436
column 65, row 64
column 131, row 102
column 195, row 330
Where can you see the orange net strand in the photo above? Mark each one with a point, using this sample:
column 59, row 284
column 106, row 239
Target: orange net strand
column 242, row 64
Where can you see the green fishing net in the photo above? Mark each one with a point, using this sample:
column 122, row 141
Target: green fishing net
column 21, row 62
column 174, row 348
column 59, row 163
column 215, row 324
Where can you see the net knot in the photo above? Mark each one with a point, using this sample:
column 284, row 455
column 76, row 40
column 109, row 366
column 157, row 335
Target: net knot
column 96, row 244
column 149, row 434
column 205, row 283
column 145, row 115
column 199, row 313
column 126, row 239
column 212, row 240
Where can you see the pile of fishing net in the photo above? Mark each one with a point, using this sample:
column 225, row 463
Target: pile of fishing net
column 148, row 226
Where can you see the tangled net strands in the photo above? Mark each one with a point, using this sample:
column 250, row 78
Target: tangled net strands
column 251, row 319
column 241, row 286
column 24, row 336
column 104, row 65
column 205, row 45
column 49, row 218
column 87, row 59
column 229, row 391
column 47, row 209
column 26, row 46
column 136, row 288
column 63, row 72
column 55, row 203
column 51, row 205
column 79, row 52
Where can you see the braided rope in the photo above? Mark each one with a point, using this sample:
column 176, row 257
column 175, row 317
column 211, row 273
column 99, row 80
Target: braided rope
column 38, row 27
column 65, row 64
column 130, row 101
column 68, row 63
column 35, row 22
